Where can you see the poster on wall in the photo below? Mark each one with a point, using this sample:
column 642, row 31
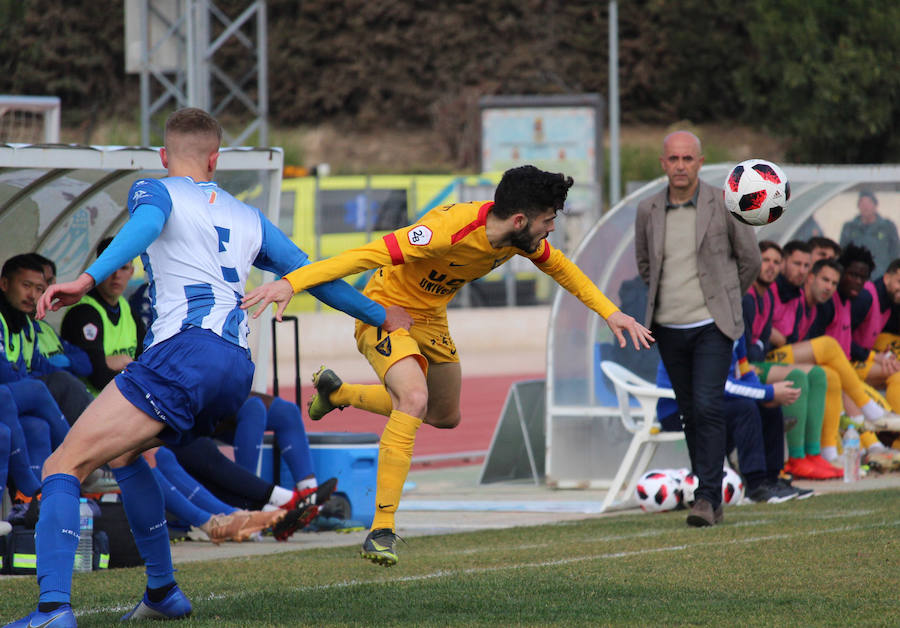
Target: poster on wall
column 558, row 133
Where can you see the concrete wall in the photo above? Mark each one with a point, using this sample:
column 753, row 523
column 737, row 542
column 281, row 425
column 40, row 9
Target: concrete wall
column 489, row 340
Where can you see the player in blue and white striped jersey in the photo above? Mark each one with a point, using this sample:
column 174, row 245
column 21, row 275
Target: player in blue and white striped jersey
column 198, row 243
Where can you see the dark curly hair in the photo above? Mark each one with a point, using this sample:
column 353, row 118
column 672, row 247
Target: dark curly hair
column 531, row 191
column 853, row 253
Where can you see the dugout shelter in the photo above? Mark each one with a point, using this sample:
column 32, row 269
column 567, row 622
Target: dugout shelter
column 585, row 436
column 61, row 200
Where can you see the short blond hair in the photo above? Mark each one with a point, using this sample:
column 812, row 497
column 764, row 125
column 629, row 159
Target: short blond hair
column 193, row 121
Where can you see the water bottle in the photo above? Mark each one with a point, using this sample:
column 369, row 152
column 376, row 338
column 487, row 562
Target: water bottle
column 84, row 556
column 851, row 454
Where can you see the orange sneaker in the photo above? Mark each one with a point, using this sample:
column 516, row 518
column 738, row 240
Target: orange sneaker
column 819, row 462
column 802, row 468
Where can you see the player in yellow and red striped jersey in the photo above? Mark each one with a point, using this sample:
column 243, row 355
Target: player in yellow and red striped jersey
column 421, row 268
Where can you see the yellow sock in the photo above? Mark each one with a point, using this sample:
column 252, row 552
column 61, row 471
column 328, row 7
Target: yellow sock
column 867, row 439
column 831, row 420
column 372, row 397
column 394, row 457
column 827, row 351
column 892, row 392
column 876, row 396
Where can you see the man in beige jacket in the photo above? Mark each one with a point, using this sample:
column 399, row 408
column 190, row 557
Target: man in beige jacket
column 697, row 261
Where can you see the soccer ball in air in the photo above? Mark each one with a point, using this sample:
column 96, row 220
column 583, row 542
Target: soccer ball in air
column 732, row 487
column 657, row 491
column 757, row 192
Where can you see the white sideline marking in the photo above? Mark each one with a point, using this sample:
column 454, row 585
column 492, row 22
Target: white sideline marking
column 591, row 539
column 842, row 515
column 442, row 573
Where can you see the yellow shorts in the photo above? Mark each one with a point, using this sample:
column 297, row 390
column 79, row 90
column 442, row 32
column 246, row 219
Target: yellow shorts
column 783, row 355
column 427, row 341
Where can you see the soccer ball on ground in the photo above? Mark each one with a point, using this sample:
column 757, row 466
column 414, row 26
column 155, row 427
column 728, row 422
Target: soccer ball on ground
column 757, row 192
column 657, row 491
column 689, row 484
column 732, row 487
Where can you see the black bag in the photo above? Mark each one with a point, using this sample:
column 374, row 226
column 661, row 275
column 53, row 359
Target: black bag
column 20, row 556
column 4, row 560
column 101, row 551
column 122, row 549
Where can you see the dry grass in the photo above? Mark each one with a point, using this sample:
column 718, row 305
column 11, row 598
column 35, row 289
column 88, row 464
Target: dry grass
column 424, row 150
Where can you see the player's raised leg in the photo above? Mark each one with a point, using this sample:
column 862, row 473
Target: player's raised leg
column 332, row 392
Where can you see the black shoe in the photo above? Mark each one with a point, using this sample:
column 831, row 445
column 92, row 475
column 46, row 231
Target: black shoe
column 326, row 382
column 379, row 547
column 296, row 519
column 771, row 494
column 802, row 493
column 319, row 495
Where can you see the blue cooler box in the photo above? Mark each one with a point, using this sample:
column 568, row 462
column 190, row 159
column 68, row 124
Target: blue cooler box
column 350, row 457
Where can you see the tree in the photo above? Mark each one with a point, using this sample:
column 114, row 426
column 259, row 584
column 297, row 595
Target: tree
column 826, row 75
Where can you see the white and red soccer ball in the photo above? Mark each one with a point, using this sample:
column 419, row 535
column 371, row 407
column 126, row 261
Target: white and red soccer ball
column 658, row 490
column 757, row 192
column 689, row 483
column 732, row 487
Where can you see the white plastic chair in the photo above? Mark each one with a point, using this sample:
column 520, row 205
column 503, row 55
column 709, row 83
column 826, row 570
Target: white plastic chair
column 645, row 427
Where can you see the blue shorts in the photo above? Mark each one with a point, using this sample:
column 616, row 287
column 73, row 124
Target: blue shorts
column 189, row 382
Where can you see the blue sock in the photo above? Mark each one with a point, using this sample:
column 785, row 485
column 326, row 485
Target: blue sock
column 19, row 461
column 190, row 488
column 146, row 512
column 178, row 504
column 56, row 537
column 285, row 420
column 248, row 434
column 37, row 437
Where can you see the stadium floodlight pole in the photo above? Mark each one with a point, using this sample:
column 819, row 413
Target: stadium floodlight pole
column 614, row 174
column 145, row 75
column 174, row 53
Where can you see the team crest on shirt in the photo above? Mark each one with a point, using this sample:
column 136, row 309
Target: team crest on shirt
column 89, row 331
column 384, row 347
column 419, row 236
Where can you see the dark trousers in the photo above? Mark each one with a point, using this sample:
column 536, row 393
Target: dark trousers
column 773, row 440
column 228, row 481
column 697, row 361
column 69, row 393
column 745, row 433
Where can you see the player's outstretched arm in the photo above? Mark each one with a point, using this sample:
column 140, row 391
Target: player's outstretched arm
column 620, row 324
column 62, row 294
column 278, row 292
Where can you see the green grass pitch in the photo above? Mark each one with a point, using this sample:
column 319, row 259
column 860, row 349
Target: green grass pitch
column 831, row 560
